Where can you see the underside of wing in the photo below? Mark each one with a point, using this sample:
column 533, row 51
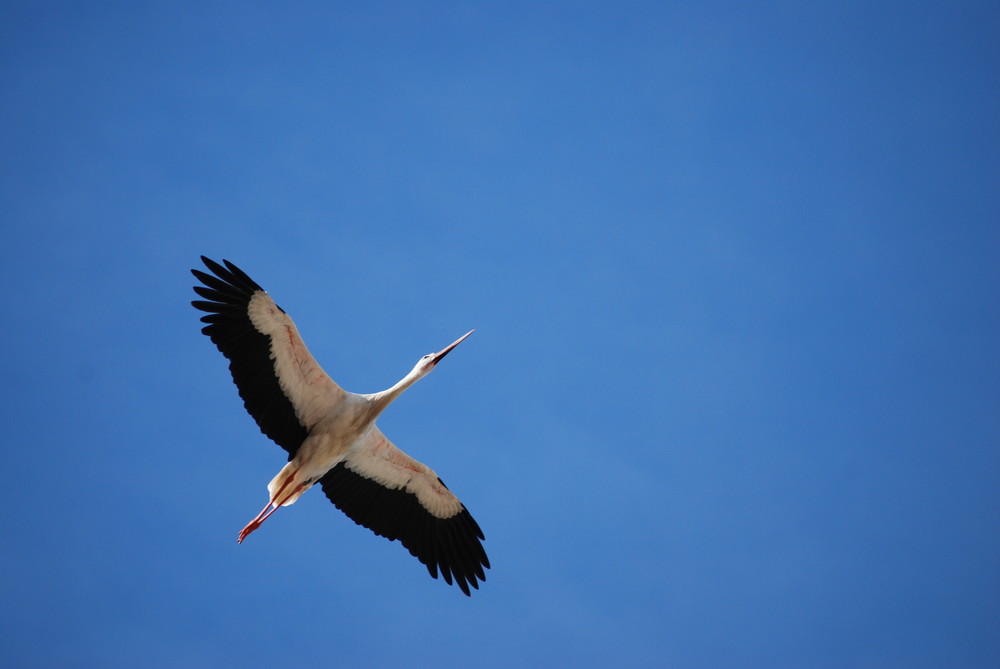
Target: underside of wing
column 283, row 388
column 381, row 488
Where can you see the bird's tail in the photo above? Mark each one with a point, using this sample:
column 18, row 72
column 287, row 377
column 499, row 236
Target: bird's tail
column 285, row 488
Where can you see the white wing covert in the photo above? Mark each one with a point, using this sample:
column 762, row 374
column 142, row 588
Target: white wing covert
column 282, row 386
column 380, row 487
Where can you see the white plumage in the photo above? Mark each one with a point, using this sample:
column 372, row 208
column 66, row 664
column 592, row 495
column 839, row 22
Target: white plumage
column 330, row 433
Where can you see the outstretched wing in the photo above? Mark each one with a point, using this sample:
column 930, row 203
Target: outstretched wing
column 282, row 385
column 380, row 487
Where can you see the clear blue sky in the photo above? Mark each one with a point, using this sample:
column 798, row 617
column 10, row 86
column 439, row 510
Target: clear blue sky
column 733, row 399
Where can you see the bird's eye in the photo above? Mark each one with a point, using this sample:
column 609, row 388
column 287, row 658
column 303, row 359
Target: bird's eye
column 428, row 355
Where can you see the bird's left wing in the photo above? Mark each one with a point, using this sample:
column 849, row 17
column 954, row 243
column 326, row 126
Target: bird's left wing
column 282, row 385
column 380, row 487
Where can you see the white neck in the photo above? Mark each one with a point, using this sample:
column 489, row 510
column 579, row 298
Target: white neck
column 380, row 400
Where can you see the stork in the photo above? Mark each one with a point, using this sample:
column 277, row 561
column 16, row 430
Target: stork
column 330, row 433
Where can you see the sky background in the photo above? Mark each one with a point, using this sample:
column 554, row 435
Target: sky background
column 733, row 399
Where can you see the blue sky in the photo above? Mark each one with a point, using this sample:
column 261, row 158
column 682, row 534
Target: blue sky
column 733, row 397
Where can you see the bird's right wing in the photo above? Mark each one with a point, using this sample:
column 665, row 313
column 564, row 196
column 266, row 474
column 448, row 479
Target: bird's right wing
column 282, row 385
column 380, row 487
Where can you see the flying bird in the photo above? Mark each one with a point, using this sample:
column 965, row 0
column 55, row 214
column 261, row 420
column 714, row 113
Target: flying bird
column 330, row 433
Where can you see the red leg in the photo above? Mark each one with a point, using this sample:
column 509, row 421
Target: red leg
column 270, row 508
column 255, row 523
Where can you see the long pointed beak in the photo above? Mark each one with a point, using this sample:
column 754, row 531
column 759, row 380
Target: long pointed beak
column 447, row 349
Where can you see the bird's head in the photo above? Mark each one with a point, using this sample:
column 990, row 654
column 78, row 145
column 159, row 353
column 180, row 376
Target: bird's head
column 420, row 370
column 427, row 363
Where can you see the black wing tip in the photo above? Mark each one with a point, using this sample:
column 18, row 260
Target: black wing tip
column 226, row 267
column 227, row 282
column 213, row 266
column 218, row 272
column 447, row 546
column 226, row 295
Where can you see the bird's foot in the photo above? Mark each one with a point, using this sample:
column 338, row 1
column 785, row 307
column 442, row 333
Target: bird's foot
column 245, row 532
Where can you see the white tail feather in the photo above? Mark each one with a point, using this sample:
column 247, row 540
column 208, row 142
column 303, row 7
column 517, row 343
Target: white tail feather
column 286, row 485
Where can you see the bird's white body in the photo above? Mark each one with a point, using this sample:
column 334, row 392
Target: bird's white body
column 330, row 433
column 343, row 423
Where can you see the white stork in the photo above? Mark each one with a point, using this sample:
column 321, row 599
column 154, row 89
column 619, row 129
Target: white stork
column 330, row 433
